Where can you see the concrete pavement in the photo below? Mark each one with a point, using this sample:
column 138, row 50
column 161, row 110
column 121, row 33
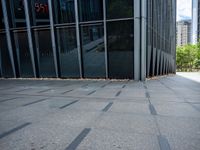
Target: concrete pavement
column 159, row 114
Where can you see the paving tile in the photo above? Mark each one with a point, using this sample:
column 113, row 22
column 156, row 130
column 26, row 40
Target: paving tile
column 177, row 109
column 112, row 140
column 179, row 126
column 131, row 107
column 127, row 122
column 40, row 136
column 184, row 143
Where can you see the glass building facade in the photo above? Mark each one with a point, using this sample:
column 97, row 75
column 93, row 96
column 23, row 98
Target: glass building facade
column 195, row 21
column 120, row 39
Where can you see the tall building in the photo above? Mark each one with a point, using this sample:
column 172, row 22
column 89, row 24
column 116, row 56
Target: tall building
column 122, row 39
column 183, row 32
column 195, row 21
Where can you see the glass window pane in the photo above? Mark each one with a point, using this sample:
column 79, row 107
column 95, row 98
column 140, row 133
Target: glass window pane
column 119, row 9
column 90, row 10
column 65, row 12
column 120, row 49
column 69, row 64
column 40, row 12
column 93, row 50
column 19, row 14
column 1, row 18
column 5, row 62
column 22, row 48
column 44, row 49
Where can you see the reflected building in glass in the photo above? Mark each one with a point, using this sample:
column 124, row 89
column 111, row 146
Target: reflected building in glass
column 195, row 21
column 116, row 39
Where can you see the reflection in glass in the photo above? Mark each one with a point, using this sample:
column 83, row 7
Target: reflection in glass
column 120, row 49
column 41, row 12
column 66, row 12
column 68, row 52
column 5, row 63
column 119, row 9
column 93, row 50
column 19, row 14
column 1, row 18
column 22, row 48
column 44, row 49
column 90, row 10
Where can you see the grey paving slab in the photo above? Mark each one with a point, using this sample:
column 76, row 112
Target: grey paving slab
column 20, row 101
column 132, row 93
column 81, row 92
column 115, row 84
column 73, row 118
column 162, row 100
column 13, row 130
column 131, row 107
column 50, row 138
column 5, row 98
column 7, row 125
column 192, row 99
column 4, row 108
column 107, row 107
column 127, row 122
column 112, row 140
column 105, row 93
column 184, row 143
column 134, row 84
column 179, row 126
column 89, row 106
column 177, row 109
column 162, row 94
column 32, row 91
column 75, row 143
column 196, row 106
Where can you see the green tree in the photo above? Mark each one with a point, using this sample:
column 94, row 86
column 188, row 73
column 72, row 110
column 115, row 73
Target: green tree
column 197, row 63
column 187, row 57
column 179, row 58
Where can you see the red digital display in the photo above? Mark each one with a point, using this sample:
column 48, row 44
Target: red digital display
column 41, row 8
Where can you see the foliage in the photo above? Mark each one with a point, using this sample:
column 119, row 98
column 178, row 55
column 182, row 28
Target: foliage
column 188, row 57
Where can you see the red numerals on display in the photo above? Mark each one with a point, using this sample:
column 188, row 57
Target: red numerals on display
column 41, row 8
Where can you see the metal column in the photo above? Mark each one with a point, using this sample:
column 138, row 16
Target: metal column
column 105, row 37
column 174, row 45
column 7, row 28
column 78, row 37
column 53, row 39
column 143, row 39
column 30, row 41
column 137, row 40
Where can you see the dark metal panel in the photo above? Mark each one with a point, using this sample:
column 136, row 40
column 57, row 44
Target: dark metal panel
column 161, row 63
column 0, row 65
column 17, row 49
column 8, row 37
column 37, row 51
column 149, row 60
column 154, row 61
column 158, row 62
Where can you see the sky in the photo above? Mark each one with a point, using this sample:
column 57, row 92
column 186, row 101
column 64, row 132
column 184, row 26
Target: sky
column 184, row 9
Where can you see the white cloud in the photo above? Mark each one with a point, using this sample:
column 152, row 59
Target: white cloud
column 184, row 9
